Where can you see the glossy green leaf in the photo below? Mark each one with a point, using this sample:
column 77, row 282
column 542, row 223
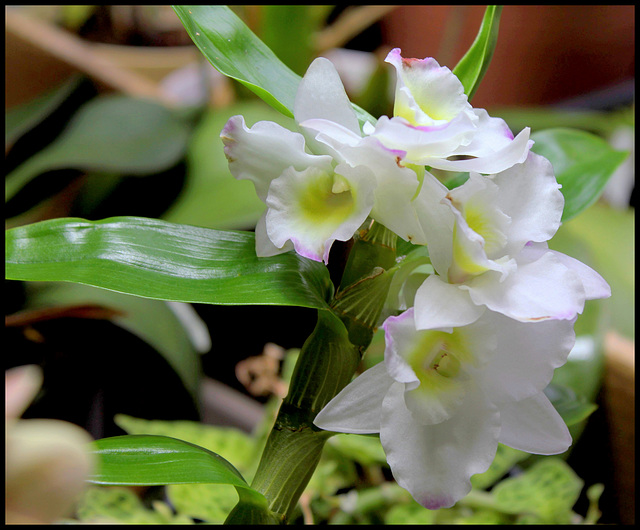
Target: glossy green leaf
column 166, row 261
column 474, row 64
column 235, row 51
column 582, row 162
column 149, row 460
column 112, row 133
column 195, row 499
column 159, row 460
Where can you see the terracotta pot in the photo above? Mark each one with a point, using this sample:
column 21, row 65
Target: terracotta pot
column 545, row 53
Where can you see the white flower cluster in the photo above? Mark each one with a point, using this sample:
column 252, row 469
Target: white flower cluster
column 465, row 366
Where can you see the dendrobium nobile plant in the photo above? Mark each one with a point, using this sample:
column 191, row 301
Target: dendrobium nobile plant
column 469, row 348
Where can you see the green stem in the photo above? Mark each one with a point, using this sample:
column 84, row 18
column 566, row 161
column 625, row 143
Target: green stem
column 327, row 362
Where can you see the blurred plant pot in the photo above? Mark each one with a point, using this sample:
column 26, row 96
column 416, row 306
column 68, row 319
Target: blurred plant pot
column 545, row 53
column 619, row 404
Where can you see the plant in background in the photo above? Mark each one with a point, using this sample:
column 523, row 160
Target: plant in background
column 477, row 311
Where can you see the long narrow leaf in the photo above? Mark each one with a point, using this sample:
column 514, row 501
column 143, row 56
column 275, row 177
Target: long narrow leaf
column 235, row 51
column 474, row 64
column 161, row 260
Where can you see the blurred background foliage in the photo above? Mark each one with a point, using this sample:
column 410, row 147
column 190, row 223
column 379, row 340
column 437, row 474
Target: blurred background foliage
column 112, row 111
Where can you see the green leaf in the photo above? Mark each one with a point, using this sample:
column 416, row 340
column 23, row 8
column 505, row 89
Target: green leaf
column 160, row 260
column 582, row 162
column 195, row 499
column 112, row 133
column 233, row 443
column 147, row 460
column 572, row 407
column 474, row 64
column 548, row 489
column 152, row 460
column 235, row 51
column 410, row 513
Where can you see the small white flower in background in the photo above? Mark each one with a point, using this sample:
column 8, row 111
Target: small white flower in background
column 435, row 125
column 487, row 243
column 443, row 399
column 47, row 461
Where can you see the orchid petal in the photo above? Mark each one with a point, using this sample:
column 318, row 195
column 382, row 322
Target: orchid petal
column 396, row 185
column 480, row 229
column 356, row 409
column 533, row 425
column 539, row 290
column 530, row 195
column 264, row 246
column 328, row 136
column 321, row 94
column 436, row 221
column 595, row 286
column 437, row 366
column 261, row 154
column 426, row 92
column 435, row 462
column 423, row 145
column 399, row 332
column 443, row 305
column 525, row 356
column 493, row 148
column 312, row 208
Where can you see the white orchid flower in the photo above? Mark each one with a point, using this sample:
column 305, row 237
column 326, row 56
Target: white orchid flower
column 435, row 125
column 443, row 399
column 320, row 184
column 487, row 243
column 312, row 198
column 318, row 188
